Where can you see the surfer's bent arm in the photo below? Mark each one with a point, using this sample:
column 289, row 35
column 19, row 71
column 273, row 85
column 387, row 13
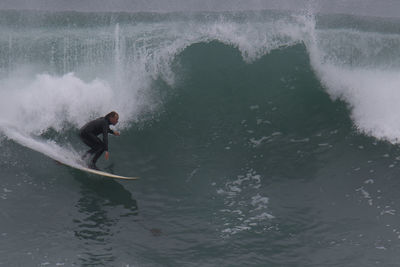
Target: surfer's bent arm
column 106, row 131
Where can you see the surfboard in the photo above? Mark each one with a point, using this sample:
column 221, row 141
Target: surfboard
column 105, row 174
column 56, row 152
column 98, row 172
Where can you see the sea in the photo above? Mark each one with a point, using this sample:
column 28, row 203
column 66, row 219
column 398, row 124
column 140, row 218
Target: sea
column 261, row 138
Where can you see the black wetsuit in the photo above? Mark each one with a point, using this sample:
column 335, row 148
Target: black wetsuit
column 88, row 134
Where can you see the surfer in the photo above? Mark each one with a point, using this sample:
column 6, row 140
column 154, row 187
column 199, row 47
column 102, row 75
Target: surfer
column 89, row 132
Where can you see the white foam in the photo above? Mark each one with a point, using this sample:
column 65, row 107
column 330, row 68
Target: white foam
column 245, row 207
column 258, row 142
column 47, row 147
column 360, row 68
column 373, row 96
column 50, row 101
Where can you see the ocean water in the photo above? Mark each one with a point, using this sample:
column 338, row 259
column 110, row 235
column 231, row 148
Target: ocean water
column 261, row 139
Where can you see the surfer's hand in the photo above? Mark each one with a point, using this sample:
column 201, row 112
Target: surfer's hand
column 116, row 133
column 107, row 155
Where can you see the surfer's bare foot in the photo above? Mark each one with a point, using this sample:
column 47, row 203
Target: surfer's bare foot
column 93, row 166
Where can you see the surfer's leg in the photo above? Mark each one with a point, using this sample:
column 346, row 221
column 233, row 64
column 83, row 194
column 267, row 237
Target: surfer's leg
column 90, row 140
column 96, row 147
column 98, row 152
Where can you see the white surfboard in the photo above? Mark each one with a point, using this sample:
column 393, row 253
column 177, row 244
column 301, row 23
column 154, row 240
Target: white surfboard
column 98, row 172
column 59, row 154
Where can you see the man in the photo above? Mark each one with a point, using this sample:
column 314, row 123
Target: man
column 89, row 132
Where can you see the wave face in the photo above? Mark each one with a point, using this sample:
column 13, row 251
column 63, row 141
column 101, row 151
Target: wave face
column 268, row 134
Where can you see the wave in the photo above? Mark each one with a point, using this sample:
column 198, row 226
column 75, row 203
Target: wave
column 66, row 68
